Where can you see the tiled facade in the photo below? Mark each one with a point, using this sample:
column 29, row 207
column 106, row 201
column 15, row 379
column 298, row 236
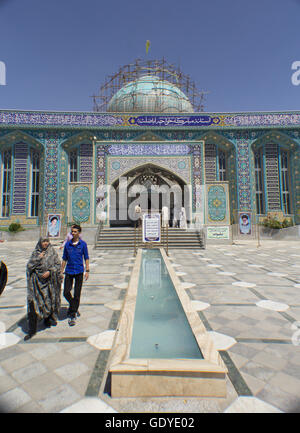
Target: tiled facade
column 110, row 145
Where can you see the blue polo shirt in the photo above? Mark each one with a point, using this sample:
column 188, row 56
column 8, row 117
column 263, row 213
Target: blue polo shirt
column 74, row 255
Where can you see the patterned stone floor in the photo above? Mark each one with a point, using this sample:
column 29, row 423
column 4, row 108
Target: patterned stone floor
column 247, row 297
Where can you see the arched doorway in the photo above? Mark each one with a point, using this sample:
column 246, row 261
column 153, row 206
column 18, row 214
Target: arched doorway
column 151, row 187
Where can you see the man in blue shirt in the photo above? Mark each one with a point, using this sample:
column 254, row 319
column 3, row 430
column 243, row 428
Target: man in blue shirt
column 75, row 251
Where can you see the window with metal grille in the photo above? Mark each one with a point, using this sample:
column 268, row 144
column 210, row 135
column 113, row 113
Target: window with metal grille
column 35, row 183
column 259, row 186
column 222, row 165
column 285, row 184
column 6, row 183
column 73, row 166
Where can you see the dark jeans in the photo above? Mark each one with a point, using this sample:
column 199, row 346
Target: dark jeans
column 68, row 285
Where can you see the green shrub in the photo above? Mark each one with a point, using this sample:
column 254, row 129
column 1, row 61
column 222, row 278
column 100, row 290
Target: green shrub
column 286, row 223
column 15, row 227
column 273, row 223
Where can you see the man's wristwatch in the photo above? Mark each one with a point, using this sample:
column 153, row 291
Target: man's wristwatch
column 87, row 270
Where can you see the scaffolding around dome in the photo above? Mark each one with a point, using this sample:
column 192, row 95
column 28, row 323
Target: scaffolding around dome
column 140, row 68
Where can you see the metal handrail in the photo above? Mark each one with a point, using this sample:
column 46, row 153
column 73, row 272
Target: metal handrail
column 99, row 229
column 137, row 236
column 199, row 228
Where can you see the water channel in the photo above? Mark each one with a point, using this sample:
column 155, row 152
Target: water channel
column 160, row 328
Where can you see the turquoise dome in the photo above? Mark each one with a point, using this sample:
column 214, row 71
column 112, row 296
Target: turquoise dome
column 150, row 94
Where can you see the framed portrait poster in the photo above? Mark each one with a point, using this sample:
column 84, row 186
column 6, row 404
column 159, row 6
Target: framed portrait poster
column 245, row 223
column 53, row 225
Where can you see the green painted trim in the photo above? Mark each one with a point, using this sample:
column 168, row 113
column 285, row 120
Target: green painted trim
column 204, row 321
column 97, row 375
column 235, row 376
column 263, row 340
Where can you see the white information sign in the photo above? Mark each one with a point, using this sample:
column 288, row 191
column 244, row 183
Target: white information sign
column 151, row 227
column 218, row 232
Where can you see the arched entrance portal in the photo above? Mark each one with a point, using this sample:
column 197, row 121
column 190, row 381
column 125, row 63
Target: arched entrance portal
column 151, row 187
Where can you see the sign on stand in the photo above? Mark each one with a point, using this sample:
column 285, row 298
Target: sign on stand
column 217, row 232
column 151, row 228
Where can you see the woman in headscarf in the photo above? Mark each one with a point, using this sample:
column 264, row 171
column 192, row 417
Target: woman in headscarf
column 43, row 286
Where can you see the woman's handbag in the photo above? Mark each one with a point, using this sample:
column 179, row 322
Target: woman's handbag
column 3, row 276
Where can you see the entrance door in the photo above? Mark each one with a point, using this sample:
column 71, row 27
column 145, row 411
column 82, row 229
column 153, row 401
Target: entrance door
column 149, row 186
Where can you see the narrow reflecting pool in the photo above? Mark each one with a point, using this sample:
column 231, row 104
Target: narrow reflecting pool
column 160, row 327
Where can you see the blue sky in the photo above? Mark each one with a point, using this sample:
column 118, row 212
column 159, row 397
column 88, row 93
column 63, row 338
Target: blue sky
column 57, row 53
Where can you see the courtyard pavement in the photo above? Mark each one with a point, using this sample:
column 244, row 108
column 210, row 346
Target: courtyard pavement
column 248, row 298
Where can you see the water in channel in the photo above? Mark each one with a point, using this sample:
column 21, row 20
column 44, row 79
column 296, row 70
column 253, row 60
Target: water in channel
column 160, row 328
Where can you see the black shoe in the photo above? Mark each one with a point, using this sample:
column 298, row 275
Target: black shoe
column 47, row 323
column 53, row 319
column 72, row 321
column 28, row 336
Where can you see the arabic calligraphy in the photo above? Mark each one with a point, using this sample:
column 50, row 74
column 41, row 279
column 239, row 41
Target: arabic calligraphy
column 78, row 119
column 149, row 149
column 58, row 119
column 173, row 120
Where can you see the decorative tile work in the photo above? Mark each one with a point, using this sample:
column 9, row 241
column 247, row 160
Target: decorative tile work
column 42, row 207
column 58, row 119
column 296, row 185
column 54, row 169
column 101, row 165
column 197, row 177
column 232, row 176
column 272, row 178
column 80, row 204
column 148, row 149
column 158, row 121
column 91, row 119
column 63, row 182
column 263, row 119
column 210, row 162
column 20, row 179
column 40, row 134
column 86, row 161
column 170, row 163
column 51, row 173
column 217, row 203
column 244, row 182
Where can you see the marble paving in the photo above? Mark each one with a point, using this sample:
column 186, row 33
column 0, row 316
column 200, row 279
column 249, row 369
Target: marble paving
column 247, row 297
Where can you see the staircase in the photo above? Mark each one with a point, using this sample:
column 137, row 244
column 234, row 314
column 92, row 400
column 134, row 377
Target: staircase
column 117, row 238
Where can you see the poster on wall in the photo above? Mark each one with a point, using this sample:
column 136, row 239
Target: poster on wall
column 151, row 227
column 53, row 225
column 245, row 223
